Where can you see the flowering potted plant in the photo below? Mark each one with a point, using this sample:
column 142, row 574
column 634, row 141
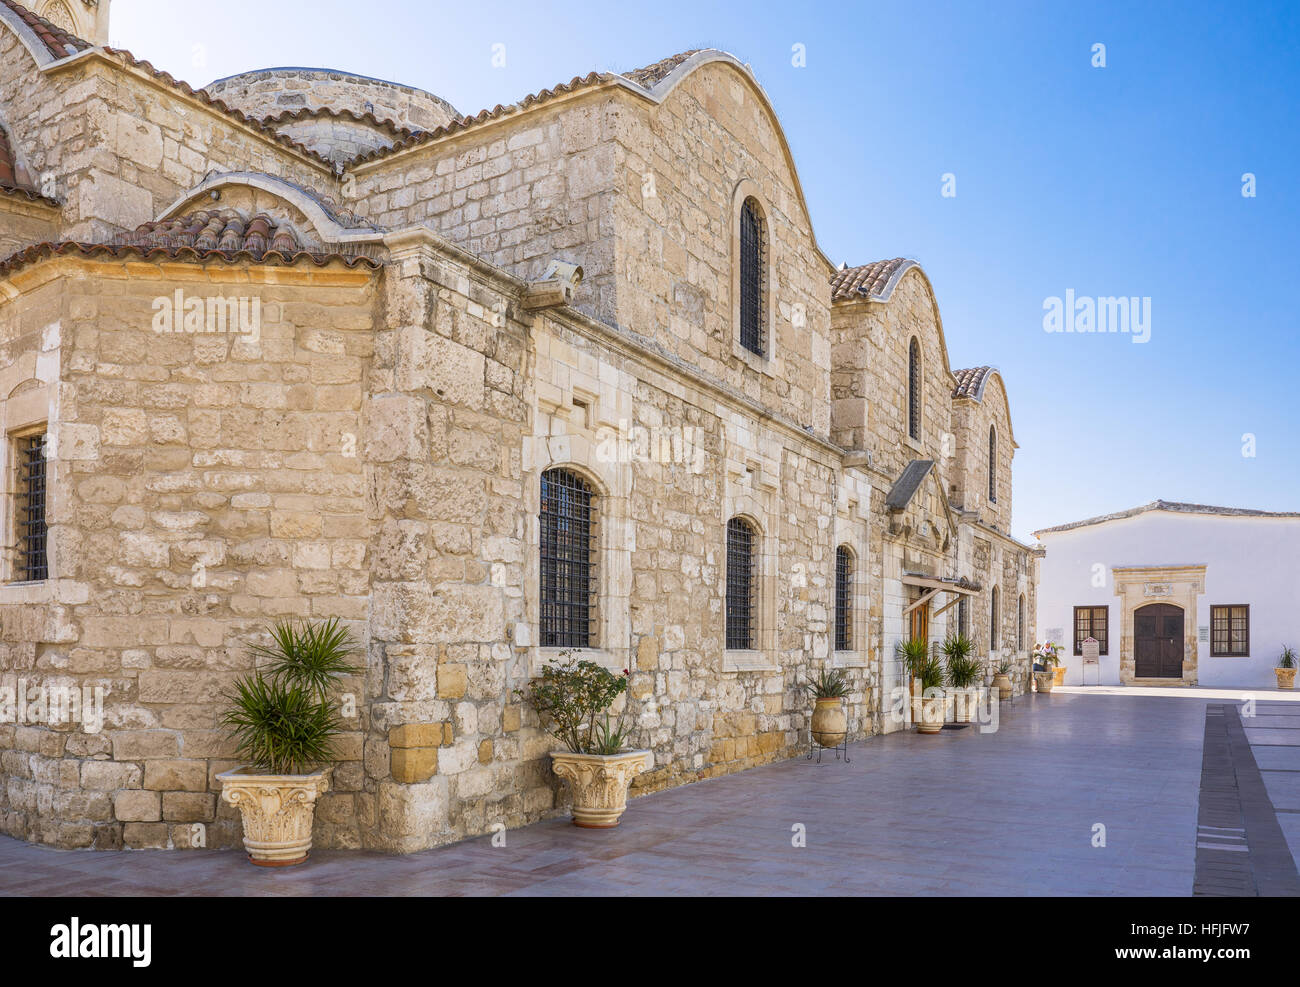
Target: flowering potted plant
column 573, row 698
column 1045, row 656
column 830, row 724
column 1285, row 670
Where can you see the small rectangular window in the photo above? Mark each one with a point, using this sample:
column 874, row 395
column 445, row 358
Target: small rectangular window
column 31, row 564
column 1230, row 631
column 1092, row 622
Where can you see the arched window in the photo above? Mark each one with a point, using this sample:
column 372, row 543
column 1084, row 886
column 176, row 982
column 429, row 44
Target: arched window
column 963, row 617
column 843, row 599
column 741, row 607
column 914, row 390
column 568, row 572
column 993, row 465
column 1020, row 623
column 753, row 277
column 994, row 619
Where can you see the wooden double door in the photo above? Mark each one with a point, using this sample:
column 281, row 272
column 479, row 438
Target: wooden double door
column 1158, row 641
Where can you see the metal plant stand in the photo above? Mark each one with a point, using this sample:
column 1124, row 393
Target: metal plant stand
column 815, row 748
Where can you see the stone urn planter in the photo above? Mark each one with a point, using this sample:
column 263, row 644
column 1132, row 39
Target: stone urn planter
column 1002, row 682
column 830, row 724
column 1044, row 681
column 599, row 783
column 931, row 715
column 277, row 811
column 1285, row 677
column 965, row 703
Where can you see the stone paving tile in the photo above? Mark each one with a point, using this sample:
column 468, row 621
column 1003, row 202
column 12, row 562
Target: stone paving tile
column 1273, row 738
column 964, row 813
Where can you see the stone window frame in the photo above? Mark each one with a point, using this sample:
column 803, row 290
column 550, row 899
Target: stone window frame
column 761, row 657
column 612, row 648
column 27, row 407
column 770, row 362
column 1021, row 622
column 995, row 619
column 993, row 464
column 914, row 388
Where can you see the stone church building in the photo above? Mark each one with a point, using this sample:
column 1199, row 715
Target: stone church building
column 572, row 373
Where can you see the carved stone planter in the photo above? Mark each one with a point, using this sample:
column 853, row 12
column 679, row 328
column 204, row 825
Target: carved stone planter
column 599, row 783
column 1044, row 681
column 277, row 811
column 932, row 714
column 1285, row 677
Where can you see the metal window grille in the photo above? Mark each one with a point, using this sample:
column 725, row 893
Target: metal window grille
column 32, row 563
column 1091, row 622
column 993, row 466
column 568, row 573
column 843, row 599
column 740, row 585
column 963, row 617
column 993, row 619
column 752, row 277
column 1020, row 624
column 1230, row 631
column 914, row 390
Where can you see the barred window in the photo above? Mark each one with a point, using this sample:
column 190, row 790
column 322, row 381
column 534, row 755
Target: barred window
column 31, row 564
column 994, row 619
column 753, row 276
column 963, row 617
column 741, row 542
column 843, row 599
column 1020, row 623
column 993, row 465
column 568, row 570
column 1230, row 631
column 914, row 390
column 1092, row 622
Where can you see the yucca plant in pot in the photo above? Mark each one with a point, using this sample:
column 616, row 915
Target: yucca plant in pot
column 926, row 671
column 573, row 699
column 830, row 724
column 1285, row 670
column 1002, row 680
column 284, row 722
column 965, row 675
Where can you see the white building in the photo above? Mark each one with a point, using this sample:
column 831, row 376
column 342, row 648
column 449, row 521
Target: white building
column 1174, row 593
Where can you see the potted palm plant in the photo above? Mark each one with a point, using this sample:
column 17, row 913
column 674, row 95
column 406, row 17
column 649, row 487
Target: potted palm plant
column 1002, row 680
column 573, row 698
column 1285, row 670
column 830, row 724
column 284, row 722
column 927, row 673
column 964, row 674
column 1045, row 657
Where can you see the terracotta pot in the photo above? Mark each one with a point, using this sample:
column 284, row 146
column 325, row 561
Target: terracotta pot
column 599, row 783
column 1044, row 681
column 830, row 724
column 1285, row 677
column 1003, row 684
column 1059, row 673
column 277, row 811
column 932, row 713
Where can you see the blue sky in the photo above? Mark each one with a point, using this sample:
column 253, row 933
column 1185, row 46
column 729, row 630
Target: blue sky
column 1123, row 180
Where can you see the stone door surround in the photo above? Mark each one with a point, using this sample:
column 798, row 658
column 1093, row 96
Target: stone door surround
column 1138, row 585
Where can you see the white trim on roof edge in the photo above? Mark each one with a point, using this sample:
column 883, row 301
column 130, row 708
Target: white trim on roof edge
column 30, row 39
column 1170, row 507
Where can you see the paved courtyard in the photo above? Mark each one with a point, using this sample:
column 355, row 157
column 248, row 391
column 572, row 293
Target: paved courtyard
column 1013, row 812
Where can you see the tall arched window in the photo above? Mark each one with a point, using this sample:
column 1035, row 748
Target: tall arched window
column 994, row 619
column 963, row 617
column 753, row 277
column 742, row 539
column 568, row 571
column 993, row 465
column 914, row 390
column 1020, row 623
column 843, row 599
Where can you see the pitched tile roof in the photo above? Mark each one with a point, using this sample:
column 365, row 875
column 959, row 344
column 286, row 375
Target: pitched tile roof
column 867, row 280
column 58, row 42
column 1173, row 507
column 379, row 123
column 971, row 381
column 204, row 235
column 646, row 77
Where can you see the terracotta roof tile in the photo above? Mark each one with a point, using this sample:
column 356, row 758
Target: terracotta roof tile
column 970, row 382
column 57, row 41
column 865, row 280
column 380, row 123
column 651, row 75
column 9, row 183
column 206, row 235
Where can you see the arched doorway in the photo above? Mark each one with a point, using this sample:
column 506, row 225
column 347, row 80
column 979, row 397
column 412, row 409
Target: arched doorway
column 1158, row 641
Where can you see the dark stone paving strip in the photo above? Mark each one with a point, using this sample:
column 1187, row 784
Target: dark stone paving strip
column 1240, row 847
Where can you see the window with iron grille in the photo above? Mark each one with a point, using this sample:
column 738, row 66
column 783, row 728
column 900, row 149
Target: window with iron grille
column 843, row 599
column 1020, row 624
column 568, row 570
column 1092, row 622
column 963, row 617
column 914, row 390
column 31, row 564
column 1230, row 631
column 994, row 619
column 753, row 276
column 740, row 584
column 993, row 465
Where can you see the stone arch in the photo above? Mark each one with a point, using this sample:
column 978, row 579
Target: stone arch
column 747, row 191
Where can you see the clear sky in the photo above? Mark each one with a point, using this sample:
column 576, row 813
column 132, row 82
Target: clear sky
column 1117, row 181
